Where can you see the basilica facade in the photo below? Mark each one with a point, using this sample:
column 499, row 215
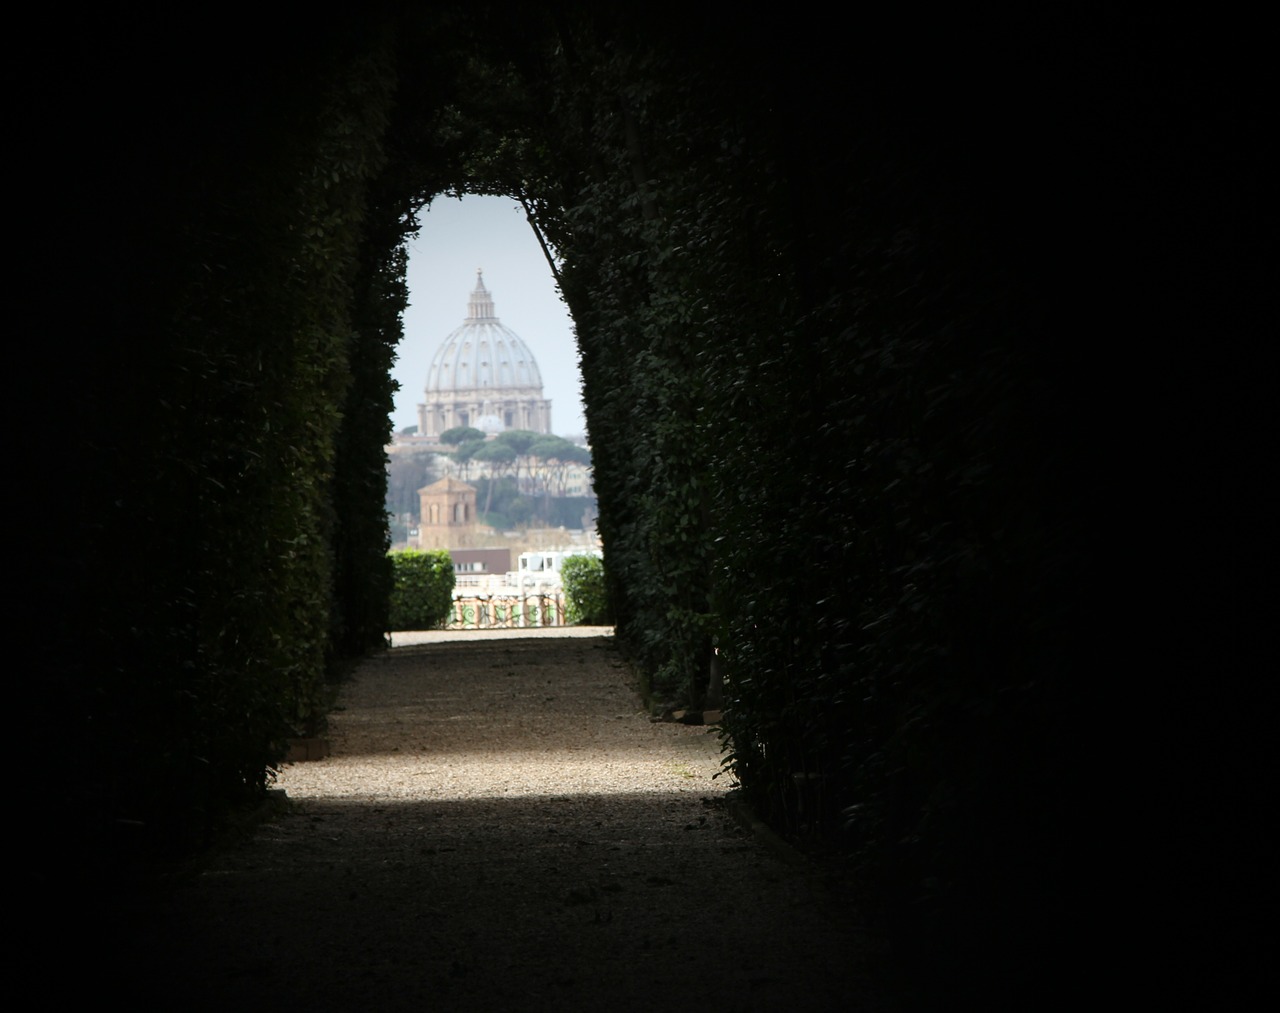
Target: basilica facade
column 483, row 376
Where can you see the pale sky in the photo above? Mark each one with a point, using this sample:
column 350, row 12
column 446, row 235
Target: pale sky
column 491, row 233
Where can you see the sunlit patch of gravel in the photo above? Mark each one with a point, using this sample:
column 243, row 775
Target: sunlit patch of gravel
column 501, row 828
column 408, row 731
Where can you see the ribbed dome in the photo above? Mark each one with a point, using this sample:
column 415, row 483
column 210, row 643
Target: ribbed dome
column 482, row 355
column 484, row 377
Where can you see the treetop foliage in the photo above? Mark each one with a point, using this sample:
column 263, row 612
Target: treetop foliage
column 459, row 435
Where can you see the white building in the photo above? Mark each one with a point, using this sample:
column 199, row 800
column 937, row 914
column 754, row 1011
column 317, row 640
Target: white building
column 484, row 376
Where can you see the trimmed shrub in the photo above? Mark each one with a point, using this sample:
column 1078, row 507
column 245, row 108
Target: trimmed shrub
column 587, row 602
column 422, row 589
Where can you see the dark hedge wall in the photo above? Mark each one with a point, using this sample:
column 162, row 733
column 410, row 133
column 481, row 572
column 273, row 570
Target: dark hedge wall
column 829, row 392
column 221, row 551
column 838, row 299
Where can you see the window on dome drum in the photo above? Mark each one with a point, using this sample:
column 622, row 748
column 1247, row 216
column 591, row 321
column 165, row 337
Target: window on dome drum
column 509, row 419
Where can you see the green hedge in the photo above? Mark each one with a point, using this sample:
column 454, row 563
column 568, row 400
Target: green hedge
column 422, row 589
column 239, row 418
column 585, row 591
column 827, row 441
column 831, row 434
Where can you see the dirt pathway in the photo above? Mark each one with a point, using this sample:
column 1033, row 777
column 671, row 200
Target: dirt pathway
column 501, row 828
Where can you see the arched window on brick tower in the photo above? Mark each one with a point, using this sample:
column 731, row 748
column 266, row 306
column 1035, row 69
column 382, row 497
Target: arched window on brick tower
column 448, row 515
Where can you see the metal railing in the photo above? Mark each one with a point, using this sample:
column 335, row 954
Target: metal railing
column 498, row 611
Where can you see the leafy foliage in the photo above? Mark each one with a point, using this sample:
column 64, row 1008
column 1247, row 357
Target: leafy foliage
column 823, row 387
column 826, row 440
column 422, row 589
column 460, row 435
column 585, row 590
column 232, row 561
column 406, row 474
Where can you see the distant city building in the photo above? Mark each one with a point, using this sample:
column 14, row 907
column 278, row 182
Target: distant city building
column 447, row 516
column 483, row 376
column 480, row 562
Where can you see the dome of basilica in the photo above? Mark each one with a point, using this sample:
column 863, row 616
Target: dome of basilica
column 483, row 371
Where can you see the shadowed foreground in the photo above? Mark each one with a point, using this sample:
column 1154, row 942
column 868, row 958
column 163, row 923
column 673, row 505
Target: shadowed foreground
column 500, row 827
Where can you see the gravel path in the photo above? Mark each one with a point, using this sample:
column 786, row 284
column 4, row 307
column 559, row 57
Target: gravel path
column 502, row 828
